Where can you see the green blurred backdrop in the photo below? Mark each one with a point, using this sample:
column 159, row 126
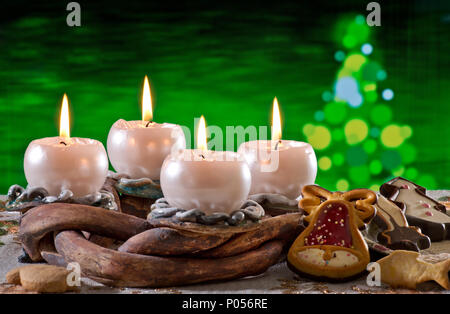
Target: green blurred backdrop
column 373, row 101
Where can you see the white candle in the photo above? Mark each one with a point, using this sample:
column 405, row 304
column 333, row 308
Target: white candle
column 60, row 163
column 296, row 166
column 279, row 166
column 138, row 148
column 207, row 180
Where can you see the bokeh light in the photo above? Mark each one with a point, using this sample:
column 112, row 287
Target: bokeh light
column 391, row 159
column 369, row 87
column 344, row 72
column 370, row 71
column 381, row 115
column 381, row 75
column 349, row 41
column 371, row 96
column 388, row 94
column 356, row 131
column 366, row 49
column 411, row 173
column 324, row 163
column 339, row 56
column 406, row 131
column 354, row 62
column 355, row 101
column 337, row 135
column 360, row 19
column 358, row 30
column 327, row 96
column 319, row 137
column 375, row 167
column 335, row 112
column 370, row 146
column 347, row 89
column 360, row 175
column 365, row 145
column 398, row 171
column 338, row 159
column 375, row 132
column 391, row 136
column 319, row 115
column 356, row 156
column 308, row 129
column 342, row 185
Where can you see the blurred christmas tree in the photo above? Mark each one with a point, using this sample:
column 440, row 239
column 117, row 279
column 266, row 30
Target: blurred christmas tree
column 357, row 141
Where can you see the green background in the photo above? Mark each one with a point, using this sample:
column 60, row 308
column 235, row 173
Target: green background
column 227, row 60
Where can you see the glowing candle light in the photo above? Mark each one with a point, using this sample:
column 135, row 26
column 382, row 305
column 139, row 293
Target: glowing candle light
column 276, row 121
column 64, row 123
column 201, row 135
column 147, row 110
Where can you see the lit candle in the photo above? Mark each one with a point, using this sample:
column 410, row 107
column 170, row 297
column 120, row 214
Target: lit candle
column 279, row 166
column 138, row 148
column 211, row 181
column 66, row 163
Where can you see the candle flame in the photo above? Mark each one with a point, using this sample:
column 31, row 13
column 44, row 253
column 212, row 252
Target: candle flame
column 276, row 121
column 201, row 135
column 147, row 111
column 64, row 124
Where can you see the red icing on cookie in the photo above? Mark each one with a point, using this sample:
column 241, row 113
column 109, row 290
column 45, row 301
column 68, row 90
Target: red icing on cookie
column 426, row 205
column 332, row 227
column 405, row 186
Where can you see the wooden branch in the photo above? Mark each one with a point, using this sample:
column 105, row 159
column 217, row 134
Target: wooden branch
column 54, row 258
column 203, row 229
column 116, row 268
column 155, row 252
column 167, row 241
column 41, row 220
column 136, row 206
column 284, row 227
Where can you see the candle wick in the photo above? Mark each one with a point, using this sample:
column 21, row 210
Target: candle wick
column 148, row 123
column 63, row 143
column 203, row 156
column 276, row 145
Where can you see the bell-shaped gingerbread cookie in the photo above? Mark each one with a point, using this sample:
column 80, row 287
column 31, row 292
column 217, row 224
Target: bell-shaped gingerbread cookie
column 331, row 247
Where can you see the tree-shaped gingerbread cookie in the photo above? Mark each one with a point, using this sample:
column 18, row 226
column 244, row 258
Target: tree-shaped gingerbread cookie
column 332, row 247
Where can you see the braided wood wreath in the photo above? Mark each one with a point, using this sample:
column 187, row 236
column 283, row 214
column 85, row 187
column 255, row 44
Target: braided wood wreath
column 122, row 249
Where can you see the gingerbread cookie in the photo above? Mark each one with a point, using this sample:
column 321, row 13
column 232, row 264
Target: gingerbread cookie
column 395, row 232
column 420, row 210
column 332, row 247
column 407, row 269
